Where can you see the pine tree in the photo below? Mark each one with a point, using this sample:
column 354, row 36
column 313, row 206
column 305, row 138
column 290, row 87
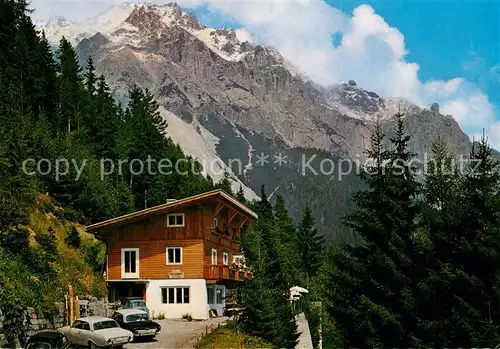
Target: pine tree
column 287, row 242
column 267, row 311
column 464, row 264
column 73, row 238
column 309, row 246
column 91, row 79
column 70, row 87
column 370, row 294
column 240, row 196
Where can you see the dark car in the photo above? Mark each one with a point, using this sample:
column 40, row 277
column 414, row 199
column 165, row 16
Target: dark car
column 48, row 340
column 134, row 303
column 138, row 322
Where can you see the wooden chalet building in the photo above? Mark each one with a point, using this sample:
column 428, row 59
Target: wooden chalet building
column 181, row 256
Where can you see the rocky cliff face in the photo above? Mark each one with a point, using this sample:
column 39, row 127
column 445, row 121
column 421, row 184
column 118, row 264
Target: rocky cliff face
column 230, row 100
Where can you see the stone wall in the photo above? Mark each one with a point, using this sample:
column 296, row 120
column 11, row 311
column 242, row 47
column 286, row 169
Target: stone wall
column 91, row 306
column 36, row 323
column 3, row 339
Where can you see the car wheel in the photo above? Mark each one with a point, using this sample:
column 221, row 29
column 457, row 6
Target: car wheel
column 92, row 345
column 119, row 347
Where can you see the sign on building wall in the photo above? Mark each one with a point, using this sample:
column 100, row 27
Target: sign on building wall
column 176, row 274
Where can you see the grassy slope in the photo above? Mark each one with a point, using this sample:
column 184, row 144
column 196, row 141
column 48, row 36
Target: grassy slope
column 226, row 337
column 71, row 265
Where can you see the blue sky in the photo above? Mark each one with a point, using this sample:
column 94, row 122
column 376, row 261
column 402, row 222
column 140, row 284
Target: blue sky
column 447, row 38
column 426, row 51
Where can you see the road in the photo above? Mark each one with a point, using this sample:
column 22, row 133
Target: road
column 177, row 334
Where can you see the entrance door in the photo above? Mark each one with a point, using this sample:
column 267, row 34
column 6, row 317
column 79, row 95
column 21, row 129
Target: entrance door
column 216, row 298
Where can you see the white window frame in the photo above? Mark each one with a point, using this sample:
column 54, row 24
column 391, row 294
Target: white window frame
column 175, row 294
column 241, row 258
column 225, row 258
column 212, row 256
column 166, row 255
column 214, row 224
column 176, row 215
column 130, row 275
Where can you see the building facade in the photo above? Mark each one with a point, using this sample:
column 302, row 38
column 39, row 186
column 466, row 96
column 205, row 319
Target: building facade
column 180, row 257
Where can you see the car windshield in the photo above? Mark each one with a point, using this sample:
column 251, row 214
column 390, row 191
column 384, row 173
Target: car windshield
column 138, row 303
column 39, row 345
column 137, row 317
column 102, row 325
column 52, row 342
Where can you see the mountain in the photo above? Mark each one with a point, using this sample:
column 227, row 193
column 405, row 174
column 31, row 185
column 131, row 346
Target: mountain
column 247, row 110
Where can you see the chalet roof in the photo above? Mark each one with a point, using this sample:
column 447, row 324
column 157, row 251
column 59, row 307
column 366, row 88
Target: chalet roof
column 171, row 205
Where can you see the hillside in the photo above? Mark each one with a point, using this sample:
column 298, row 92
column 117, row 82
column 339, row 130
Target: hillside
column 62, row 134
column 38, row 261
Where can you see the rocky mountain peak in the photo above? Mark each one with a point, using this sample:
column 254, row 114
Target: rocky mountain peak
column 143, row 18
column 58, row 21
column 355, row 101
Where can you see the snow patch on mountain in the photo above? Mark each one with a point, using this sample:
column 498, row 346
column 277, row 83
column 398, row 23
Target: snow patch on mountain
column 115, row 23
column 106, row 22
column 198, row 142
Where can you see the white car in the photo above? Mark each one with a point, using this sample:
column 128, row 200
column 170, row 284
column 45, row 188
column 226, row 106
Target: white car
column 97, row 332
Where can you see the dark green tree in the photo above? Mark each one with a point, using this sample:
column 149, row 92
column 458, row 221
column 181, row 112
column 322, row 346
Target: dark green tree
column 70, row 87
column 267, row 311
column 370, row 292
column 309, row 246
column 462, row 222
column 90, row 77
column 73, row 238
column 286, row 236
column 240, row 196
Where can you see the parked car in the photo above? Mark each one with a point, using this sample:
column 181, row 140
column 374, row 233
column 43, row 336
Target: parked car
column 137, row 321
column 135, row 303
column 97, row 332
column 48, row 340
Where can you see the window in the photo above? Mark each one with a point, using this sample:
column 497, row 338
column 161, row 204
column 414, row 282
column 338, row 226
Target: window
column 85, row 326
column 210, row 295
column 77, row 324
column 225, row 258
column 220, row 295
column 239, row 260
column 104, row 325
column 214, row 256
column 130, row 263
column 136, row 318
column 175, row 295
column 214, row 223
column 175, row 220
column 174, row 255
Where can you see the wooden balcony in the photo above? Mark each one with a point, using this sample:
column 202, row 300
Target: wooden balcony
column 224, row 272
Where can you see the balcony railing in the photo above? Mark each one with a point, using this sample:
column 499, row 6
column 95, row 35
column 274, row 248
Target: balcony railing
column 224, row 272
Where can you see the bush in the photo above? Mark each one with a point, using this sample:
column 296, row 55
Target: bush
column 73, row 238
column 160, row 316
column 187, row 317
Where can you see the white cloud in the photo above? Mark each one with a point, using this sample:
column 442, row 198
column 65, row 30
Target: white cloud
column 244, row 35
column 371, row 52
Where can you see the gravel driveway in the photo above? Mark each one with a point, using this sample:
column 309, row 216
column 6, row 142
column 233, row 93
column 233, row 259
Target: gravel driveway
column 177, row 334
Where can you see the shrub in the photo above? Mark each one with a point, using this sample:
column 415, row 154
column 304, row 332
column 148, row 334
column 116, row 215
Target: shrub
column 187, row 317
column 160, row 316
column 73, row 238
